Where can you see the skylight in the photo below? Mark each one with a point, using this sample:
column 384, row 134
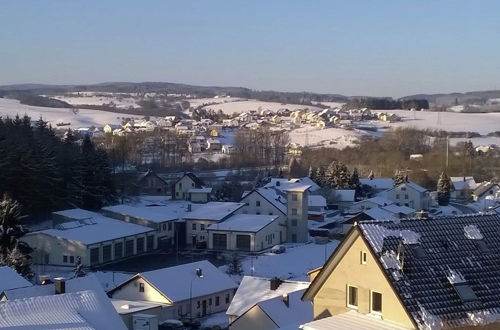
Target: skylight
column 465, row 292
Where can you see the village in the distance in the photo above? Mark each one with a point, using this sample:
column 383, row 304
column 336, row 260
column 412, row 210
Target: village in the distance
column 249, row 165
column 247, row 214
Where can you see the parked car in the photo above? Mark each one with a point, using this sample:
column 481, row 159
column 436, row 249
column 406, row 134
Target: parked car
column 277, row 249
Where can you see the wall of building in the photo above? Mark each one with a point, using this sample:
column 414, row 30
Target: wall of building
column 55, row 248
column 153, row 185
column 265, row 206
column 127, row 318
column 130, row 291
column 182, row 187
column 417, row 200
column 199, row 197
column 331, row 299
column 253, row 319
column 201, row 234
column 297, row 217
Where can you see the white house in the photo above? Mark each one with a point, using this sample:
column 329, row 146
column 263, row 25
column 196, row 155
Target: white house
column 190, row 290
column 90, row 236
column 181, row 187
column 246, row 232
column 377, row 185
column 79, row 310
column 198, row 219
column 409, row 194
column 287, row 311
column 290, row 204
column 462, row 187
column 228, row 149
column 486, row 190
column 366, row 204
column 253, row 290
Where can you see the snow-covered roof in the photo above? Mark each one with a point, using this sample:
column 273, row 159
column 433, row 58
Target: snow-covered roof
column 172, row 210
column 412, row 185
column 214, row 211
column 396, row 209
column 10, row 279
column 200, row 190
column 89, row 282
column 377, row 213
column 378, row 183
column 90, row 228
column 133, row 306
column 297, row 312
column 285, row 184
column 345, row 195
column 253, row 290
column 317, row 201
column 378, row 200
column 174, row 282
column 352, row 320
column 244, row 222
column 85, row 310
column 463, row 182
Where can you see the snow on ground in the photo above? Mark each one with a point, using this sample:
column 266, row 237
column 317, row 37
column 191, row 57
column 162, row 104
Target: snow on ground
column 218, row 319
column 328, row 137
column 242, row 106
column 293, row 264
column 203, row 101
column 478, row 141
column 78, row 118
column 482, row 123
column 331, row 104
column 119, row 100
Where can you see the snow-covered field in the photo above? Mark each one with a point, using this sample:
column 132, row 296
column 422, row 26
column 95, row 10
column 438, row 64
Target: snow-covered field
column 293, row 264
column 482, row 123
column 328, row 137
column 78, row 118
column 332, row 104
column 203, row 101
column 242, row 106
column 119, row 100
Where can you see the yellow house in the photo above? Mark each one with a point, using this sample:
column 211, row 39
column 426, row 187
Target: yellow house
column 214, row 133
column 417, row 273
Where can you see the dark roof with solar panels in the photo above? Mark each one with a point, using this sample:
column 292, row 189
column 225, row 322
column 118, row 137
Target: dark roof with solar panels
column 445, row 270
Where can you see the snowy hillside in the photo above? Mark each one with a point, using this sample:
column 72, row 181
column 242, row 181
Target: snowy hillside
column 79, row 118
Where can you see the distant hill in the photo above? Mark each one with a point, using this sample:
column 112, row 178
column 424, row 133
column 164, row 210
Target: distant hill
column 478, row 97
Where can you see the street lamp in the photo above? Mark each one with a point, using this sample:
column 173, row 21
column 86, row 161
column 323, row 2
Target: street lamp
column 199, row 274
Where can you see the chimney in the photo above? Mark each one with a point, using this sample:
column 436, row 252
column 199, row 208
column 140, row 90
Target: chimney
column 44, row 280
column 275, row 283
column 286, row 299
column 422, row 215
column 60, row 285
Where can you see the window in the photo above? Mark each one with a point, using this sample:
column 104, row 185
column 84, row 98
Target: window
column 169, row 226
column 376, row 302
column 202, row 227
column 406, row 196
column 192, row 185
column 352, row 296
column 180, row 185
column 141, row 287
column 140, row 245
column 94, row 256
column 363, row 257
column 65, row 259
column 118, row 250
column 257, row 203
column 106, row 253
column 217, row 302
column 270, row 213
column 150, row 242
column 198, row 304
column 129, row 248
column 257, row 213
column 403, row 188
column 294, row 211
column 209, row 301
column 227, row 298
column 294, row 197
column 397, row 196
column 193, row 226
column 71, row 259
column 164, row 226
column 294, row 223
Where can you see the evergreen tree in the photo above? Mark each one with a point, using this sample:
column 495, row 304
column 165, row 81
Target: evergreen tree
column 320, row 176
column 443, row 189
column 13, row 252
column 234, row 267
column 294, row 168
column 337, row 176
column 398, row 178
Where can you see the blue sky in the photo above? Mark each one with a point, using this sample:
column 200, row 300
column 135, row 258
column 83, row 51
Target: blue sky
column 352, row 47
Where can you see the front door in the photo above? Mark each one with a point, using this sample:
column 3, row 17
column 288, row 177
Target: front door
column 204, row 308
